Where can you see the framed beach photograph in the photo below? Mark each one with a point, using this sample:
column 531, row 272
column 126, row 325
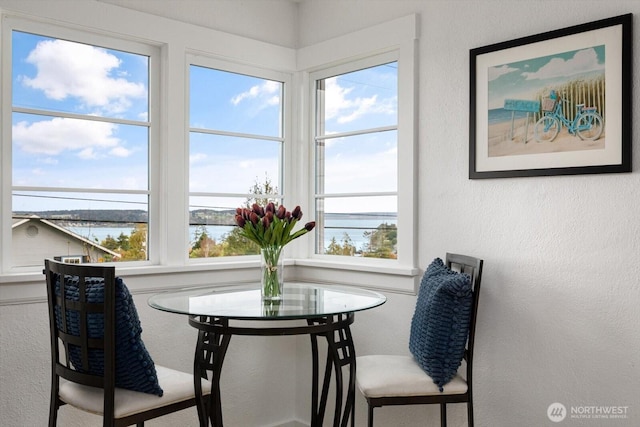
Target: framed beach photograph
column 557, row 103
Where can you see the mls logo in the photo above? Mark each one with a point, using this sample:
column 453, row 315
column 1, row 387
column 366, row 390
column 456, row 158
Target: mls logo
column 556, row 412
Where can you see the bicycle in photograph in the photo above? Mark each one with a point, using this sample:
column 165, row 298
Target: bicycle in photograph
column 587, row 124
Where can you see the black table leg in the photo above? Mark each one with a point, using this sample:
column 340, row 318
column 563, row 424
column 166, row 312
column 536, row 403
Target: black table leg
column 210, row 351
column 340, row 352
column 214, row 335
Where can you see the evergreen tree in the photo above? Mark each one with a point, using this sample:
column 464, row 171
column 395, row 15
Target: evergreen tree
column 233, row 243
column 110, row 243
column 137, row 244
column 382, row 242
column 123, row 242
column 347, row 248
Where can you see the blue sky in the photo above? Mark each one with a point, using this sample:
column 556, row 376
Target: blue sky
column 68, row 77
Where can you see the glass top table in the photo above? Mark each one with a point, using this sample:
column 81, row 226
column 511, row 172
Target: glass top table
column 244, row 302
column 328, row 311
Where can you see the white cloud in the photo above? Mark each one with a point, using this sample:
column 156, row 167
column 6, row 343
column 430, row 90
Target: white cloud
column 66, row 69
column 247, row 164
column 376, row 169
column 495, row 72
column 264, row 92
column 87, row 154
column 583, row 61
column 49, row 161
column 234, row 174
column 197, row 158
column 338, row 105
column 120, row 151
column 52, row 137
column 274, row 100
column 361, row 107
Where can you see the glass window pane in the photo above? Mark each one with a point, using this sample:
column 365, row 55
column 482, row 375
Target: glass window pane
column 99, row 227
column 64, row 76
column 212, row 229
column 64, row 152
column 361, row 163
column 357, row 226
column 223, row 102
column 230, row 164
column 231, row 102
column 361, row 99
column 52, row 150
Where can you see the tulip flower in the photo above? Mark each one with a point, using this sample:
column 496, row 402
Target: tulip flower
column 297, row 213
column 271, row 229
column 271, row 226
column 254, row 218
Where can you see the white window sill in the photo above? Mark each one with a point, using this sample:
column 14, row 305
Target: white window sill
column 374, row 275
column 28, row 287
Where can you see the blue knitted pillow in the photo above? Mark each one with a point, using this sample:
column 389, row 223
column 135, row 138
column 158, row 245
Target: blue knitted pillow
column 440, row 324
column 135, row 369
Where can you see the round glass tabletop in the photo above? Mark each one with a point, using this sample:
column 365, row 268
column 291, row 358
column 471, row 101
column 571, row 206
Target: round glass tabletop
column 299, row 301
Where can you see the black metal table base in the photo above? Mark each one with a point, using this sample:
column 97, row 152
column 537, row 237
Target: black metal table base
column 214, row 335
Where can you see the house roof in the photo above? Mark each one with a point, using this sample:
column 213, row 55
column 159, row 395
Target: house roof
column 19, row 221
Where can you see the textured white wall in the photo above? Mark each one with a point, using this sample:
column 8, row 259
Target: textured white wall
column 272, row 21
column 25, row 370
column 259, row 373
column 558, row 313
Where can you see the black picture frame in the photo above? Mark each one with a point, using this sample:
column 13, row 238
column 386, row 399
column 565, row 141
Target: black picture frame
column 583, row 64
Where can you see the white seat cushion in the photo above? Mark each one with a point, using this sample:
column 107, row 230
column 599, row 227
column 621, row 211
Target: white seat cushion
column 177, row 386
column 381, row 375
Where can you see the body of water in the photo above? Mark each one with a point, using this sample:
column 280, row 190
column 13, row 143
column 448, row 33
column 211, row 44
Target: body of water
column 500, row 115
column 354, row 226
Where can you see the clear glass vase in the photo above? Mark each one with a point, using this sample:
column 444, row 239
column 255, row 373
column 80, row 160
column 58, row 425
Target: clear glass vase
column 272, row 272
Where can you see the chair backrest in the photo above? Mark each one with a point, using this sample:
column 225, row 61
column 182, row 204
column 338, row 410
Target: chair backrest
column 473, row 267
column 75, row 308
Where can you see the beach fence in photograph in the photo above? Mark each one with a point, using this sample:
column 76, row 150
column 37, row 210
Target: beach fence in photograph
column 589, row 92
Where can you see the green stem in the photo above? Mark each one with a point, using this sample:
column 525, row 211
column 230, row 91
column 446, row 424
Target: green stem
column 271, row 274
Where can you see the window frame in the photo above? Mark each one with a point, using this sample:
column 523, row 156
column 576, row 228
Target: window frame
column 168, row 266
column 394, row 39
column 285, row 161
column 323, row 74
column 107, row 41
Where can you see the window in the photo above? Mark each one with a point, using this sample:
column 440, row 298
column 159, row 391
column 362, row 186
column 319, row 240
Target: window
column 81, row 139
column 236, row 151
column 362, row 97
column 356, row 159
column 89, row 169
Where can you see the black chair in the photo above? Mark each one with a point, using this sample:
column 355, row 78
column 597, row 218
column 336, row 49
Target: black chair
column 400, row 380
column 78, row 346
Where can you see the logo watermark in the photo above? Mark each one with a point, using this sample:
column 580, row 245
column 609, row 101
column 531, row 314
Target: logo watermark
column 557, row 412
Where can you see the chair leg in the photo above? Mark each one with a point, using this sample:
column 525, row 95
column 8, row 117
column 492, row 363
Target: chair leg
column 53, row 412
column 370, row 417
column 470, row 413
column 53, row 415
column 443, row 415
